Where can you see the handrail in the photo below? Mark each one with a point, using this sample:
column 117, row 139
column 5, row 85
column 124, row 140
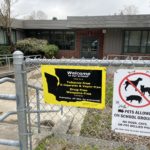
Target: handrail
column 7, row 114
column 13, row 97
column 8, row 96
column 28, row 56
column 6, row 79
column 9, row 142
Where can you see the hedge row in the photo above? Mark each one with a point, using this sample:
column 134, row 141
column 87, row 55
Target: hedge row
column 5, row 50
column 30, row 46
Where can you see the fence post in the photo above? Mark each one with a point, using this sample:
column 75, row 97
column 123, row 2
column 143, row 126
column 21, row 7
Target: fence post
column 18, row 61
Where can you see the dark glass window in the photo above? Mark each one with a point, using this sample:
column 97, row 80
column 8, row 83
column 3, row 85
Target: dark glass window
column 69, row 40
column 31, row 33
column 3, row 37
column 65, row 40
column 148, row 43
column 90, row 44
column 14, row 36
column 137, row 42
column 42, row 35
column 59, row 39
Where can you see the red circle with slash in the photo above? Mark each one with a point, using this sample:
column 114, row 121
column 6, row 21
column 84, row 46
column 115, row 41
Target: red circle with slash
column 138, row 90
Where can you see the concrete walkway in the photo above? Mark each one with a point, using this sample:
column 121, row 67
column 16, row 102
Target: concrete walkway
column 6, row 71
column 10, row 132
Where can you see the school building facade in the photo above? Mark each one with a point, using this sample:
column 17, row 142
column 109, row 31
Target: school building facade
column 88, row 36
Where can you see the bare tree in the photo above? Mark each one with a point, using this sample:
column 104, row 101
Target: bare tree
column 37, row 15
column 41, row 15
column 32, row 16
column 128, row 10
column 6, row 18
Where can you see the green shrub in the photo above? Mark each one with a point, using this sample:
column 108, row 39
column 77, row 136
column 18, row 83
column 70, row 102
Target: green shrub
column 50, row 50
column 33, row 46
column 5, row 50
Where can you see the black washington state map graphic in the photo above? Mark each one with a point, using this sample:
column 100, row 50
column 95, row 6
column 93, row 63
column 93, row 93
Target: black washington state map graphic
column 91, row 85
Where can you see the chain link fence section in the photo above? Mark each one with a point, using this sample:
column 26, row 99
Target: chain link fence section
column 56, row 127
column 126, row 57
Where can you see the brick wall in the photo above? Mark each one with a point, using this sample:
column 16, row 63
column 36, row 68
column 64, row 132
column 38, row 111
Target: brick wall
column 79, row 35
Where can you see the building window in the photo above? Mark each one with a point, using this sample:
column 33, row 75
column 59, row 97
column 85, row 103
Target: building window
column 3, row 37
column 137, row 42
column 65, row 40
column 14, row 36
column 69, row 40
column 59, row 39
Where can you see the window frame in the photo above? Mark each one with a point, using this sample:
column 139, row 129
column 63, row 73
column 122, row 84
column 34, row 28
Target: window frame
column 52, row 37
column 126, row 48
column 4, row 36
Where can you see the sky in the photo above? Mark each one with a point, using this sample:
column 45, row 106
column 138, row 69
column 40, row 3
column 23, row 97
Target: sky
column 63, row 8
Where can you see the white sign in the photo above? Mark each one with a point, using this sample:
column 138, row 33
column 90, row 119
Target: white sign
column 131, row 102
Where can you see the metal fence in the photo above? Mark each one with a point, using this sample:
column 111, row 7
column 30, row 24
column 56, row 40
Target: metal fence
column 6, row 64
column 127, row 57
column 53, row 127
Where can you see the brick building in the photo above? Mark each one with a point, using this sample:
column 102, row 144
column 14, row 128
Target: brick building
column 90, row 36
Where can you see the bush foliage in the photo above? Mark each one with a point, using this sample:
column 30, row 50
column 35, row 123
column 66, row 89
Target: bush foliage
column 30, row 46
column 50, row 50
column 5, row 50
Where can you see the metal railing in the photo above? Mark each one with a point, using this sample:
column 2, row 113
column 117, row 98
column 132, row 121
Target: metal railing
column 88, row 62
column 2, row 117
column 21, row 98
column 6, row 61
column 127, row 57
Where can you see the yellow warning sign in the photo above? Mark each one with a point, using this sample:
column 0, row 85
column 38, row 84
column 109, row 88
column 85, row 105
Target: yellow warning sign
column 81, row 86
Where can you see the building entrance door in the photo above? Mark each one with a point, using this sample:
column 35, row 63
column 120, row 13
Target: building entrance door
column 89, row 47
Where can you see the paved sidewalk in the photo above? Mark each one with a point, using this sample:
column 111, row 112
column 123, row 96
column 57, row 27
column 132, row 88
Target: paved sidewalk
column 6, row 71
column 10, row 132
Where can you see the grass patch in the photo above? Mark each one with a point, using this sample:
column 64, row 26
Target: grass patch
column 97, row 124
column 121, row 148
column 54, row 143
column 109, row 93
column 124, row 148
